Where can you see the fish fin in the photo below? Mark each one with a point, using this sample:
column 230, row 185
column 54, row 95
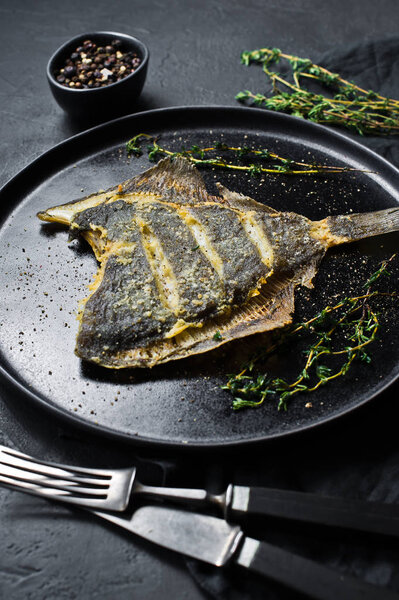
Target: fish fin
column 305, row 276
column 174, row 179
column 64, row 213
column 272, row 308
column 350, row 228
column 239, row 201
column 263, row 313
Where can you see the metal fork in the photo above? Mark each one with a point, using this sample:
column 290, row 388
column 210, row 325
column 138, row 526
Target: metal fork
column 105, row 489
column 111, row 490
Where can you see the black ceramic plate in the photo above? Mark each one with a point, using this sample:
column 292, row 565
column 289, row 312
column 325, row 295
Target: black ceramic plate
column 43, row 277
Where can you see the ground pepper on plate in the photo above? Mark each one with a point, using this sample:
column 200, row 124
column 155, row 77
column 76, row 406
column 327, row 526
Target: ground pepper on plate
column 92, row 66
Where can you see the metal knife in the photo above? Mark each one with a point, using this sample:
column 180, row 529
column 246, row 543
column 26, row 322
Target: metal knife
column 219, row 543
column 118, row 487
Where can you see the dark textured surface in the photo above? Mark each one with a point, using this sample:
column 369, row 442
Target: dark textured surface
column 49, row 551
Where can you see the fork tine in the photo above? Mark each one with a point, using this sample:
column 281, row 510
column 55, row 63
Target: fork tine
column 50, row 494
column 29, row 463
column 30, row 471
column 16, row 459
column 24, row 485
column 74, row 489
column 107, row 489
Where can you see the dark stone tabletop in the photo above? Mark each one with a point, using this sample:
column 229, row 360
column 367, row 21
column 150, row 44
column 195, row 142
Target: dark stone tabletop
column 49, row 551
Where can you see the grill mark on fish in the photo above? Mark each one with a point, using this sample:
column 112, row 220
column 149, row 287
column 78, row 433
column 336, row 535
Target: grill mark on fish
column 264, row 313
column 243, row 267
column 224, row 264
column 199, row 287
column 257, row 236
column 162, row 271
column 293, row 244
column 120, row 315
column 199, row 233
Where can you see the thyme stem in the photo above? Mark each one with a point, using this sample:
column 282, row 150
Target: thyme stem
column 362, row 111
column 210, row 156
column 345, row 329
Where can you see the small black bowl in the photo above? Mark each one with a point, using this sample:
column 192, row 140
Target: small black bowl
column 112, row 99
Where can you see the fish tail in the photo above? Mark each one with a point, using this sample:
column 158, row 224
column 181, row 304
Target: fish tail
column 350, row 228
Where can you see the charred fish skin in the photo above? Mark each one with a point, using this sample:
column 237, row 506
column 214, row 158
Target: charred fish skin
column 178, row 265
column 286, row 239
column 117, row 319
column 198, row 288
column 189, row 287
column 162, row 287
column 242, row 266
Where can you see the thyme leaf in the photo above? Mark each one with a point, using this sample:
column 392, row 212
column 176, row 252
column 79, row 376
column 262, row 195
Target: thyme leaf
column 268, row 162
column 344, row 103
column 342, row 331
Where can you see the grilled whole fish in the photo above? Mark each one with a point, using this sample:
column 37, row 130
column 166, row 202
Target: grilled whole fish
column 182, row 272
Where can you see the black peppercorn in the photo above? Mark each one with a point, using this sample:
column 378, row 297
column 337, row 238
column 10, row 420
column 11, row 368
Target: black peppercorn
column 90, row 66
column 69, row 71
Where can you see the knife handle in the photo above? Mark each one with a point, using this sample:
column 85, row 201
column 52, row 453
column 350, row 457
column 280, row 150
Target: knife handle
column 305, row 576
column 300, row 506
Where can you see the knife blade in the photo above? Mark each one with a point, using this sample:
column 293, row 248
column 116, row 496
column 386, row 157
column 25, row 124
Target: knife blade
column 220, row 543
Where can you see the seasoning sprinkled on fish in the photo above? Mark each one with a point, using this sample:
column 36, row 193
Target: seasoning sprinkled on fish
column 182, row 272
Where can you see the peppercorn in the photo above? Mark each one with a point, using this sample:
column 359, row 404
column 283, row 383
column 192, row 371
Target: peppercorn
column 91, row 66
column 69, row 71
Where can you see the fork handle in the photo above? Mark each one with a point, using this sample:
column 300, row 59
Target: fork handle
column 311, row 508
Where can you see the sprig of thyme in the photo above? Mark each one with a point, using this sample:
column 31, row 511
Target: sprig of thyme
column 211, row 157
column 362, row 111
column 343, row 331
